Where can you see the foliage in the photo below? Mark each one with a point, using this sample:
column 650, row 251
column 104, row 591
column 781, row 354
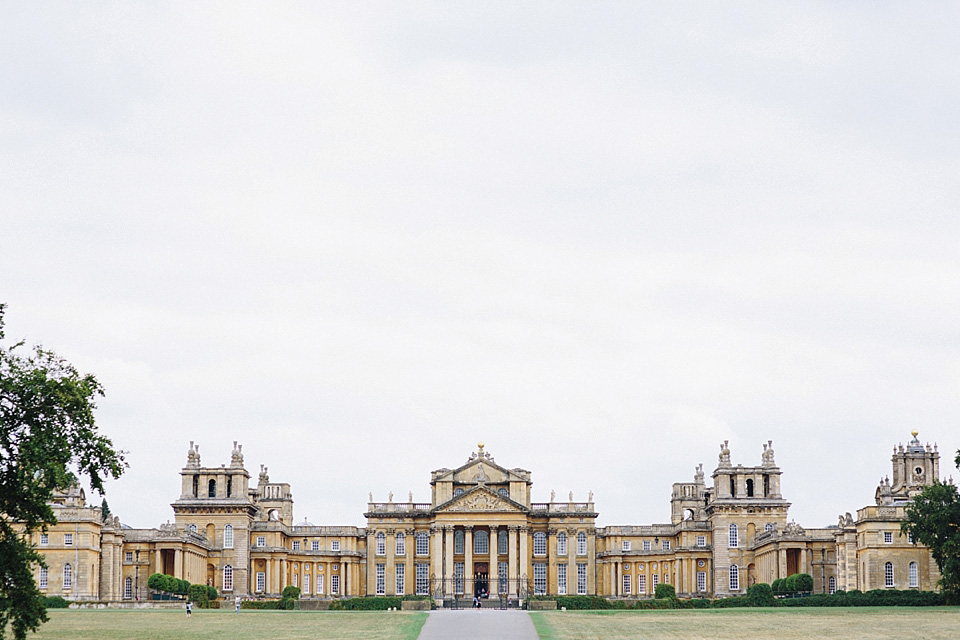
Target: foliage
column 778, row 587
column 46, row 429
column 761, row 595
column 198, row 594
column 104, row 511
column 933, row 519
column 261, row 604
column 665, row 590
column 291, row 592
column 212, row 593
column 370, row 603
column 55, row 602
column 157, row 582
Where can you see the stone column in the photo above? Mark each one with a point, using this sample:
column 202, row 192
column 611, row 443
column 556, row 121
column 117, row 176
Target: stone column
column 524, row 557
column 551, row 560
column 283, row 574
column 513, row 569
column 390, row 575
column 468, row 586
column 436, row 555
column 782, row 569
column 448, row 560
column 493, row 581
column 178, row 564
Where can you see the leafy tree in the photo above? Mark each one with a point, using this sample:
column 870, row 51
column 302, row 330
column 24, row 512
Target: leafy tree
column 157, row 582
column 46, row 428
column 104, row 510
column 761, row 595
column 933, row 519
column 665, row 590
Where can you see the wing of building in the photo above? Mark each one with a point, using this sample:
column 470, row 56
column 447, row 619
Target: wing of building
column 482, row 535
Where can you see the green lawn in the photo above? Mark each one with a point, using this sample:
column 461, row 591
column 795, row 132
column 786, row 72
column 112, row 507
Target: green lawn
column 875, row 623
column 112, row 624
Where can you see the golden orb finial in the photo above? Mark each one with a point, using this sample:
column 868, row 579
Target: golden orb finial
column 480, row 445
column 914, row 433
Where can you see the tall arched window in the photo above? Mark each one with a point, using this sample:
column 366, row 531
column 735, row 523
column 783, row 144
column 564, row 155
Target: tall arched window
column 481, row 543
column 381, row 544
column 502, row 542
column 914, row 575
column 734, row 542
column 539, row 543
column 67, row 576
column 581, row 543
column 228, row 578
column 832, row 585
column 561, row 544
column 423, row 544
column 212, row 489
column 457, row 492
column 128, row 588
column 228, row 537
column 458, row 541
column 734, row 578
column 768, row 526
column 888, row 574
column 749, row 488
column 401, row 544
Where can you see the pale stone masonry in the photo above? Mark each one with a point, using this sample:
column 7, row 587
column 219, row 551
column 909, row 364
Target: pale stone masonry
column 482, row 533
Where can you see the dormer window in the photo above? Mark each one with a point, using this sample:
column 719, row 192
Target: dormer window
column 457, row 492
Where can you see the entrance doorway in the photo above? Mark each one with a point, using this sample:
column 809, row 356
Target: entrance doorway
column 480, row 584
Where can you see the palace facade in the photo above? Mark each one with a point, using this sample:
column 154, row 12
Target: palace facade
column 482, row 533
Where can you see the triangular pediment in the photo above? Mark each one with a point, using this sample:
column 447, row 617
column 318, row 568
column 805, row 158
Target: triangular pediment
column 480, row 499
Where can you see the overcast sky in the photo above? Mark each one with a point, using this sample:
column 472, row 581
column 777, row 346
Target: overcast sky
column 602, row 238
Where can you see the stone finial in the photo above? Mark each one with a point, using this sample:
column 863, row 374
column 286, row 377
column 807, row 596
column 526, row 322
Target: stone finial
column 590, row 496
column 553, row 495
column 193, row 455
column 236, row 456
column 264, row 476
column 571, row 496
column 370, row 496
column 698, row 474
column 390, row 497
column 410, row 497
column 725, row 454
column 768, row 460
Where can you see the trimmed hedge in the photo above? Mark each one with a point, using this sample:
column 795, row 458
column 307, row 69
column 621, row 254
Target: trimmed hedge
column 55, row 602
column 369, row 603
column 761, row 595
column 665, row 590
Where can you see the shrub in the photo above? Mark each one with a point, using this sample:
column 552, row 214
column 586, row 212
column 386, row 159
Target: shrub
column 261, row 604
column 291, row 592
column 212, row 593
column 761, row 595
column 157, row 582
column 804, row 582
column 665, row 590
column 55, row 602
column 198, row 593
column 735, row 601
column 790, row 584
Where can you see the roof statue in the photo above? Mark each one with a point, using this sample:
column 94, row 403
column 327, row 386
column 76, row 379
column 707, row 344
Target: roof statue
column 725, row 454
column 768, row 454
column 264, row 476
column 193, row 455
column 698, row 474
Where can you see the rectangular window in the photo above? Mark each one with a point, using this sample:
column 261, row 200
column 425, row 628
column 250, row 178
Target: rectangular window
column 701, row 581
column 888, row 575
column 502, row 543
column 641, row 583
column 44, row 539
column 381, row 579
column 401, row 545
column 914, row 578
column 128, row 589
column 306, row 584
column 335, row 585
column 626, row 545
column 562, row 579
column 261, row 581
column 423, row 579
column 128, row 556
column 320, row 584
column 400, row 579
column 581, row 544
column 296, row 545
column 666, row 545
column 502, row 570
column 626, row 584
column 539, row 544
column 539, row 578
column 481, row 543
column 581, row 579
column 335, row 545
column 228, row 578
column 381, row 544
column 701, row 541
column 888, row 537
column 315, row 545
column 42, row 578
column 295, row 576
column 562, row 544
column 458, row 578
column 261, row 541
column 68, row 539
column 423, row 545
column 646, row 545
column 656, row 581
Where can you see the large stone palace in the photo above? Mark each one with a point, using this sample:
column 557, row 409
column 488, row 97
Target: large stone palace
column 481, row 533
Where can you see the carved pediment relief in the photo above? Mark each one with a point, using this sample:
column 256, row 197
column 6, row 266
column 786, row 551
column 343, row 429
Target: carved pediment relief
column 479, row 500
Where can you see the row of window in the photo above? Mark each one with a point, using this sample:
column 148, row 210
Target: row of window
column 67, row 539
column 642, row 582
column 734, row 538
column 261, row 579
column 314, row 544
column 888, row 537
column 540, row 579
column 665, row 544
column 43, row 577
column 481, row 543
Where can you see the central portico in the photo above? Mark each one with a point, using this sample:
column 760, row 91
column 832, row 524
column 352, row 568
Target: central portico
column 480, row 535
